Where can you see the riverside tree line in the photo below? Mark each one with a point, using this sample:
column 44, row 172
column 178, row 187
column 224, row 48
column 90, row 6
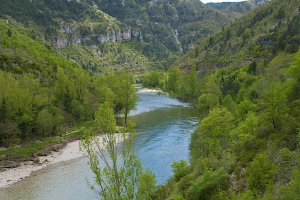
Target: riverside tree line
column 32, row 108
column 247, row 143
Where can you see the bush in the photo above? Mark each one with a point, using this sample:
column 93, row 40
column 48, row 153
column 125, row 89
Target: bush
column 261, row 174
column 208, row 184
column 180, row 169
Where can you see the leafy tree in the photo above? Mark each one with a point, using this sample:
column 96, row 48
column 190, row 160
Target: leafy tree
column 260, row 174
column 293, row 190
column 152, row 79
column 9, row 33
column 275, row 97
column 105, row 121
column 213, row 134
column 117, row 177
column 206, row 102
column 247, row 130
column 252, row 68
column 126, row 96
column 49, row 121
column 180, row 169
column 208, row 184
column 9, row 133
column 173, row 80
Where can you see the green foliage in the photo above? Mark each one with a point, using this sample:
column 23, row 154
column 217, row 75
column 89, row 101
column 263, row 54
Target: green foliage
column 256, row 37
column 233, row 7
column 105, row 121
column 152, row 79
column 292, row 191
column 41, row 91
column 208, row 184
column 246, row 116
column 160, row 21
column 260, row 174
column 115, row 181
column 182, row 85
column 180, row 169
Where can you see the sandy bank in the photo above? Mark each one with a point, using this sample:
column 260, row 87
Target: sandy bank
column 148, row 90
column 69, row 152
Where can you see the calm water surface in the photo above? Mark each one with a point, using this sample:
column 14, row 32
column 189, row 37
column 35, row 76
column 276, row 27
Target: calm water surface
column 164, row 127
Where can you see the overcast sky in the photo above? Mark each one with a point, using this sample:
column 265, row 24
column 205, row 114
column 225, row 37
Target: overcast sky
column 207, row 1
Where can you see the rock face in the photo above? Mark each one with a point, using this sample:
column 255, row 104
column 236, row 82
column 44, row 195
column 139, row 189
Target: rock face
column 70, row 38
column 120, row 36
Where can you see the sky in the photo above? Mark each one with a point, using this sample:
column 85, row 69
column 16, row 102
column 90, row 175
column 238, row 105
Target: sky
column 207, row 1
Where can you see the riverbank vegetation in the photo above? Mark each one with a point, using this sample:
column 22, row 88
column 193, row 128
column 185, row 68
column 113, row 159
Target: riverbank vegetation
column 42, row 94
column 247, row 144
column 118, row 177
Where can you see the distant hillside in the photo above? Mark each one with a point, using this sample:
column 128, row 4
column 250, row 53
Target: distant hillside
column 257, row 36
column 80, row 31
column 177, row 25
column 234, row 8
column 259, row 2
column 102, row 34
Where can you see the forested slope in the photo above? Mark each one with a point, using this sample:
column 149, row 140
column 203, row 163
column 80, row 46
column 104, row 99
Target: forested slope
column 42, row 92
column 247, row 94
column 102, row 35
column 257, row 36
column 248, row 142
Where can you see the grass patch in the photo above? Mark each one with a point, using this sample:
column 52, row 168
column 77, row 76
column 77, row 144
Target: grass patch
column 25, row 152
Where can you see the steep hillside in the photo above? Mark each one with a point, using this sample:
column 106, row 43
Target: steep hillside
column 42, row 92
column 236, row 9
column 257, row 36
column 177, row 25
column 154, row 32
column 247, row 144
column 79, row 30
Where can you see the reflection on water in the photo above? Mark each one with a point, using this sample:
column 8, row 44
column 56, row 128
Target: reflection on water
column 164, row 126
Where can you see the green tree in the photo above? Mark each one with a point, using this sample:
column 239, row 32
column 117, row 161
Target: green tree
column 292, row 191
column 9, row 133
column 208, row 184
column 118, row 177
column 260, row 174
column 125, row 93
column 180, row 169
column 213, row 135
column 275, row 97
column 206, row 102
column 152, row 79
column 173, row 79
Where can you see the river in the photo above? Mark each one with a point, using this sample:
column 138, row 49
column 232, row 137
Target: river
column 164, row 127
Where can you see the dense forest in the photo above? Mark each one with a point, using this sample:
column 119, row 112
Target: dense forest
column 257, row 36
column 247, row 143
column 159, row 32
column 42, row 92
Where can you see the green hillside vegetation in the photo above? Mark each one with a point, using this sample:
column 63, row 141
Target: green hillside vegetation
column 258, row 36
column 67, row 21
column 160, row 21
column 42, row 92
column 51, row 15
column 236, row 9
column 167, row 29
column 248, row 141
column 109, row 57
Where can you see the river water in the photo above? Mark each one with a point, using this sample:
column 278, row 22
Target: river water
column 164, row 127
